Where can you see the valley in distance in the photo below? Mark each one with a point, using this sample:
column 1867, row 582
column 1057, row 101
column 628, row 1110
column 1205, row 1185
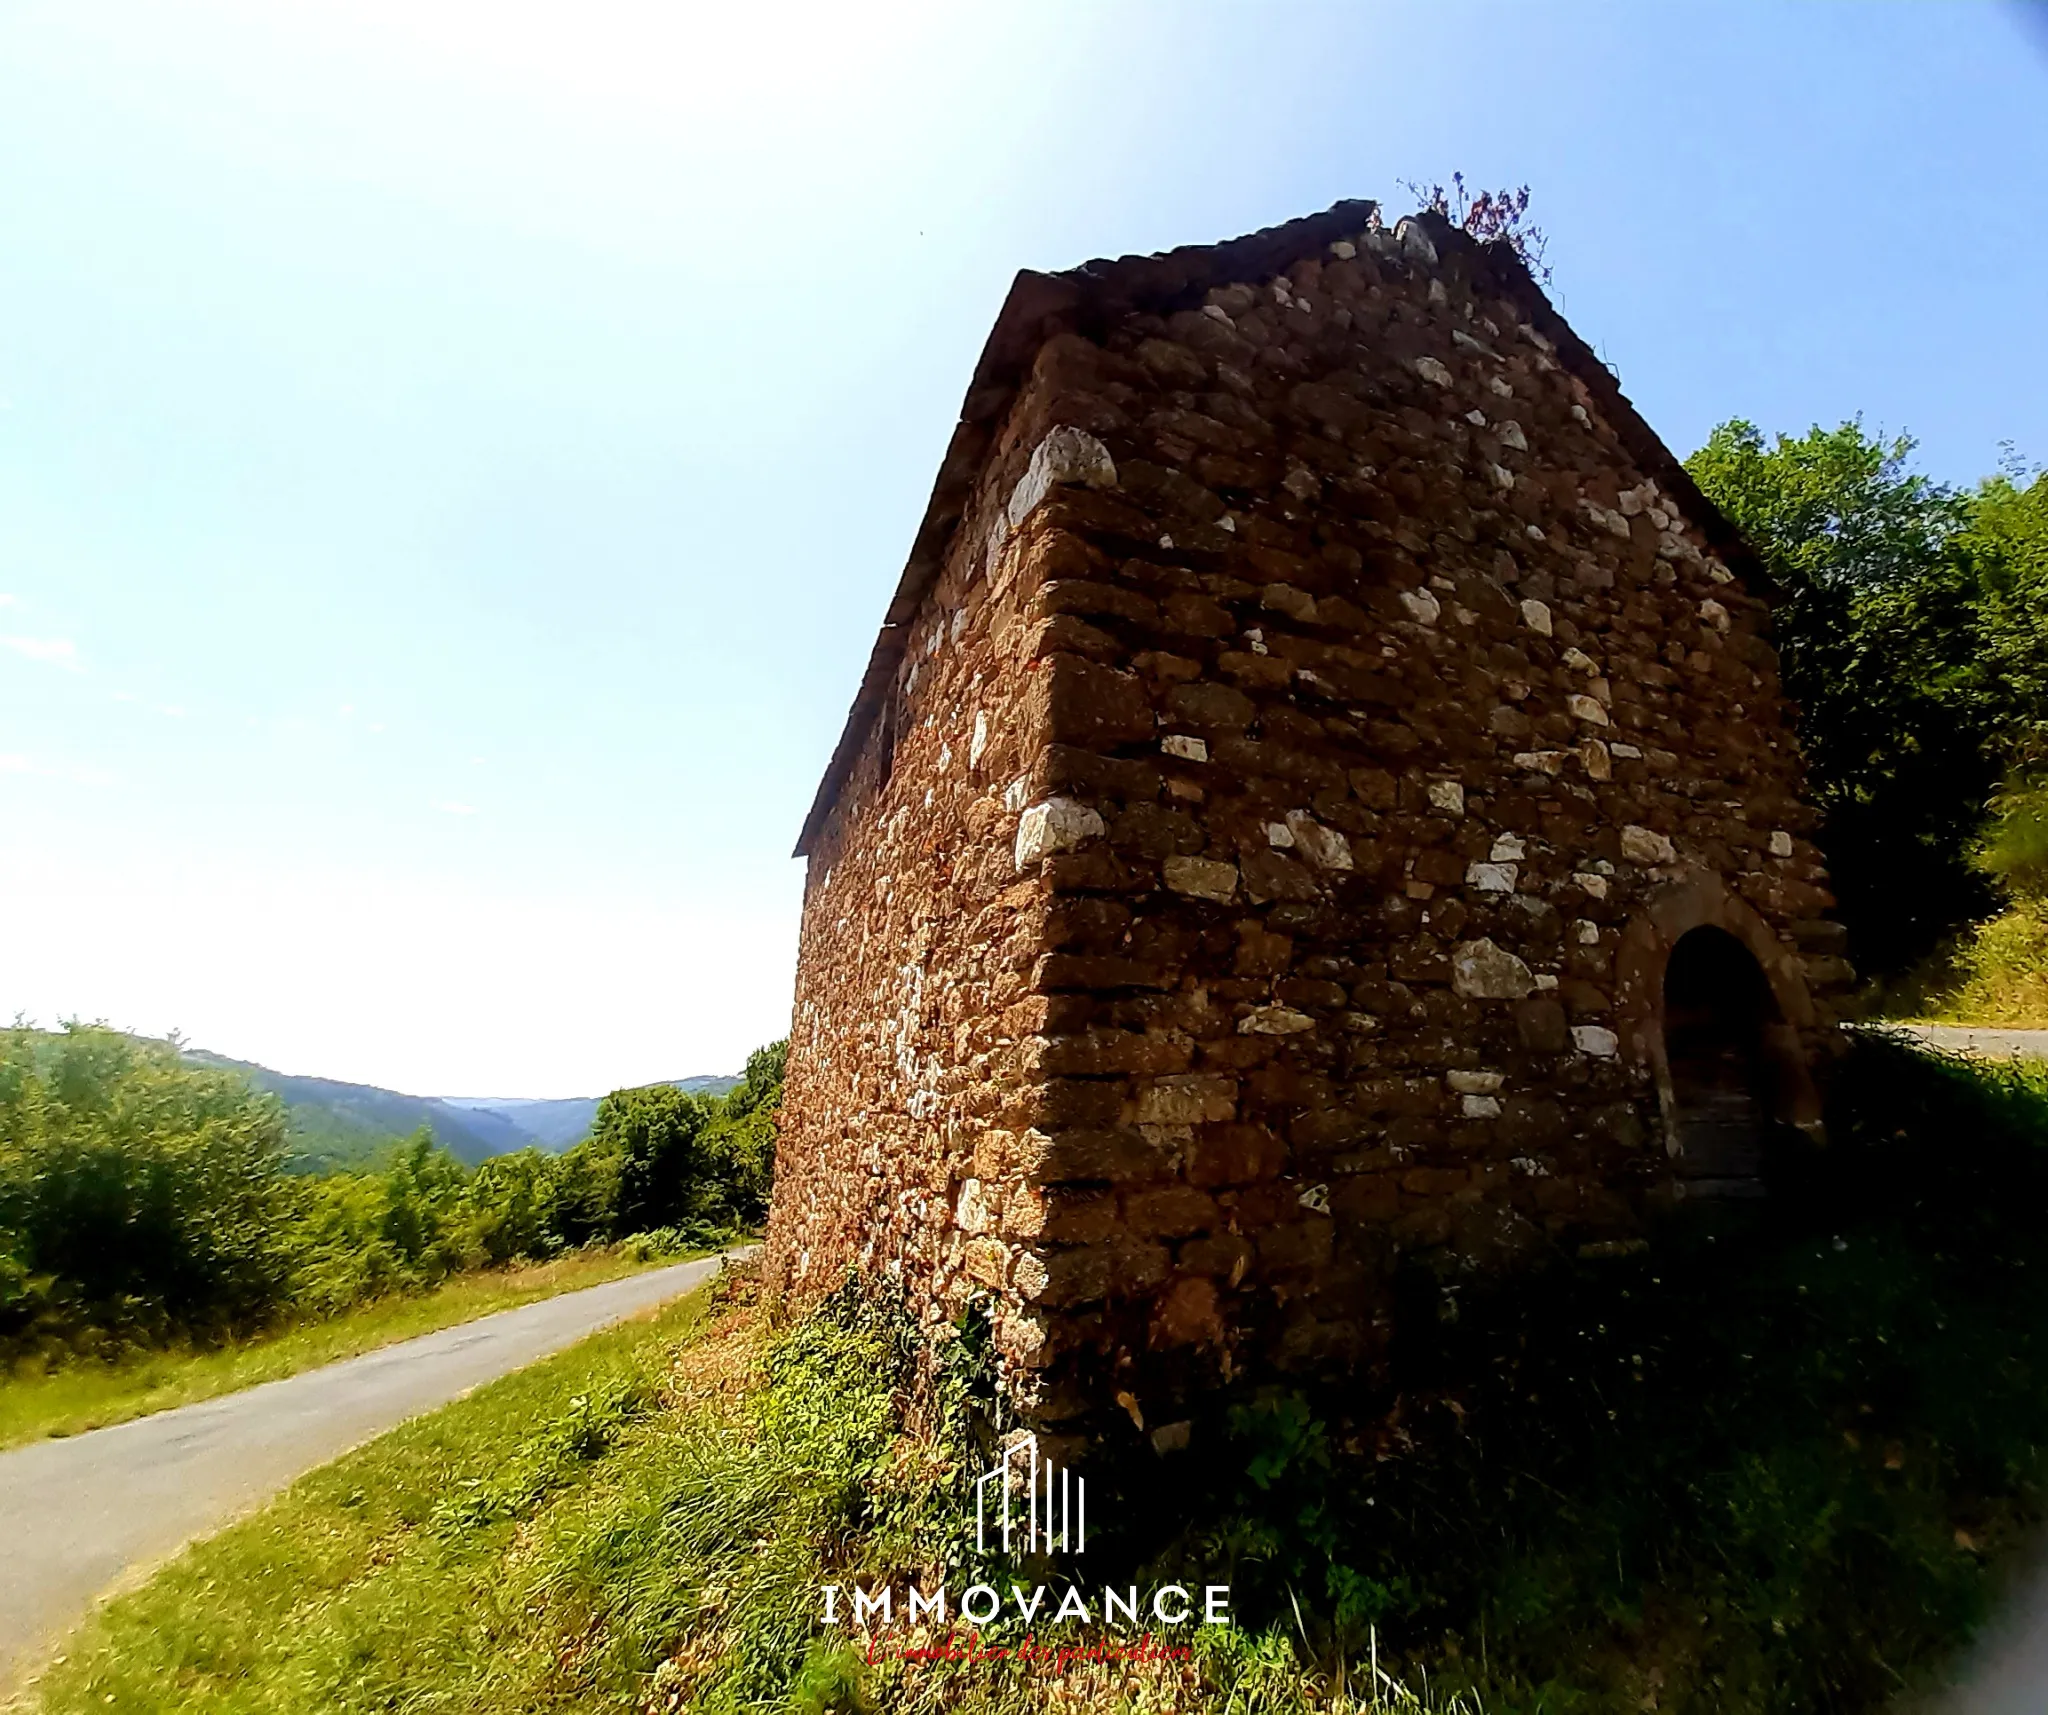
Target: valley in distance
column 337, row 1125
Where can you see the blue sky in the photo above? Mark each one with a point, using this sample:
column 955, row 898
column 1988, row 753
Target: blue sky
column 453, row 458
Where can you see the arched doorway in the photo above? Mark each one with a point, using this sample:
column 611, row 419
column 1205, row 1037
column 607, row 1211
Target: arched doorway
column 1721, row 1022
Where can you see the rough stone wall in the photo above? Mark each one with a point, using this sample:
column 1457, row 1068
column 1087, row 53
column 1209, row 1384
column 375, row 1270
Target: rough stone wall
column 1363, row 724
column 917, row 1016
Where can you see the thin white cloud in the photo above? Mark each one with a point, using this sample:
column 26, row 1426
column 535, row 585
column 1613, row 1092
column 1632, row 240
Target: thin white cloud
column 452, row 808
column 57, row 651
column 7, row 600
column 16, row 762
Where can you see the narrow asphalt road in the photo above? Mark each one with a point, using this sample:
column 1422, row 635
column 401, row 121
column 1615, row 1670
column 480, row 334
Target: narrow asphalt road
column 76, row 1514
column 1969, row 1039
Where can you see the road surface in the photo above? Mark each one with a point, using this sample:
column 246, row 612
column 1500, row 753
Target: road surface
column 1968, row 1039
column 79, row 1513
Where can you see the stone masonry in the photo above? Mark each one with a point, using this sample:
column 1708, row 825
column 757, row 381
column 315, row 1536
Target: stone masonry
column 1315, row 708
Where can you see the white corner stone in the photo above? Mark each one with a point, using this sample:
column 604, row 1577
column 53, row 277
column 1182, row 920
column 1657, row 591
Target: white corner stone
column 1781, row 843
column 1508, row 848
column 1511, row 436
column 1279, row 835
column 1432, row 371
column 1596, row 1040
column 1480, row 1107
column 1066, row 455
column 1474, row 1083
column 979, row 742
column 1593, row 886
column 1448, row 796
column 1054, row 826
column 1187, row 748
column 1586, row 708
column 1536, row 616
column 1491, row 877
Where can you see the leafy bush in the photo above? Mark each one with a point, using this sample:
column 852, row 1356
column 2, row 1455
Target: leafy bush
column 1912, row 619
column 139, row 1196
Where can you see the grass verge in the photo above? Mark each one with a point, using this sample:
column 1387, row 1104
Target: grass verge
column 83, row 1394
column 1769, row 1467
column 1995, row 977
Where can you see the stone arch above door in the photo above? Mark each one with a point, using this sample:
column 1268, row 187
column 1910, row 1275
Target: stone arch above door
column 1701, row 900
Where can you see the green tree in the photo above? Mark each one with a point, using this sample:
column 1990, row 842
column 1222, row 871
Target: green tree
column 138, row 1195
column 741, row 1138
column 2006, row 543
column 1879, row 620
column 664, row 1174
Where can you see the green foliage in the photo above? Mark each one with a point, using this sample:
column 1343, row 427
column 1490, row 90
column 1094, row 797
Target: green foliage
column 1997, row 976
column 357, row 1236
column 660, row 1157
column 662, row 1173
column 144, row 1198
column 2014, row 850
column 138, row 1196
column 551, row 1459
column 2006, row 543
column 1878, row 620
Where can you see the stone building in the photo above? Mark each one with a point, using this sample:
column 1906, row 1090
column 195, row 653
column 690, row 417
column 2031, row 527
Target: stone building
column 1321, row 797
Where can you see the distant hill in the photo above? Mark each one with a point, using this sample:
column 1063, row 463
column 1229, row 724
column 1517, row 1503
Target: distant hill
column 334, row 1124
column 554, row 1125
